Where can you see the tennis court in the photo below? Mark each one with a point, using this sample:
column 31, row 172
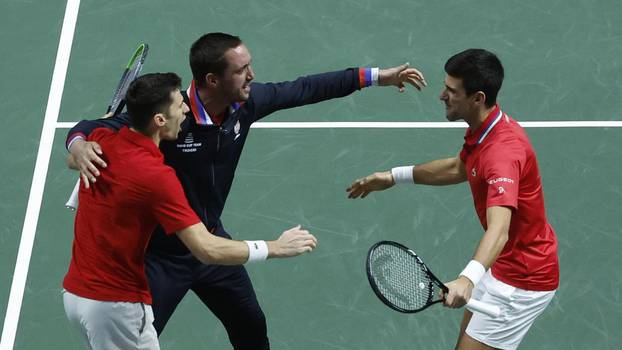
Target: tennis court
column 562, row 61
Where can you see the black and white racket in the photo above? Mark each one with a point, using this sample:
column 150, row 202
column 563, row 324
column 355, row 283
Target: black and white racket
column 404, row 283
column 133, row 68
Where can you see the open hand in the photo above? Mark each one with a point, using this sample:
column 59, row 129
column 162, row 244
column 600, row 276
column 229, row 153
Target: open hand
column 374, row 182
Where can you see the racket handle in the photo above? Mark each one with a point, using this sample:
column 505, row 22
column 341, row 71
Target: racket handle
column 483, row 308
column 72, row 203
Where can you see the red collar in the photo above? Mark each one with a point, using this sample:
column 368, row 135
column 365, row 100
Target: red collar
column 474, row 138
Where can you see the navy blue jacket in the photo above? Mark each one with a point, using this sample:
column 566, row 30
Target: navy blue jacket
column 205, row 156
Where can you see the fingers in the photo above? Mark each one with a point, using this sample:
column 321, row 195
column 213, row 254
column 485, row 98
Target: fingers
column 88, row 169
column 413, row 77
column 299, row 241
column 86, row 173
column 97, row 148
column 311, row 243
column 92, row 169
column 85, row 180
column 450, row 299
column 355, row 189
column 100, row 162
column 363, row 187
column 93, row 155
column 457, row 296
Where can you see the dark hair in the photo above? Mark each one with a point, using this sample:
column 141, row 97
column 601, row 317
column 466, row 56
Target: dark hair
column 480, row 70
column 207, row 55
column 148, row 95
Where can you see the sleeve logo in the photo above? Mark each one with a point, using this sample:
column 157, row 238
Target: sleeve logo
column 500, row 179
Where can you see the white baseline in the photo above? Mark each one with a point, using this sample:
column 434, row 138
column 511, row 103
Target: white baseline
column 38, row 179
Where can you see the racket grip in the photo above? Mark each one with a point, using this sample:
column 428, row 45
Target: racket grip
column 72, row 203
column 483, row 308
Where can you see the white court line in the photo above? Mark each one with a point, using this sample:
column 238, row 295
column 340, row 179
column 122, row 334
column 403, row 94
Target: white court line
column 38, row 179
column 409, row 125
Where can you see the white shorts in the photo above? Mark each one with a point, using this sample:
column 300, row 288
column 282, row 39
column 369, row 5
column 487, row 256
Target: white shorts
column 112, row 325
column 519, row 309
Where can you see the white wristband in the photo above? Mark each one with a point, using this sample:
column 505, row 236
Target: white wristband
column 257, row 251
column 474, row 271
column 374, row 75
column 403, row 174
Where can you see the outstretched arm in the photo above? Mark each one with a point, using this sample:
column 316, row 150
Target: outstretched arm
column 270, row 97
column 439, row 172
column 211, row 249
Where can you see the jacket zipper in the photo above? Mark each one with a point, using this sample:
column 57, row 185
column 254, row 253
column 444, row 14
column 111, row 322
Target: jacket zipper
column 214, row 160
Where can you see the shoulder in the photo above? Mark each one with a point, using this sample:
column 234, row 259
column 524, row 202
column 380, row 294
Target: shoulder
column 505, row 146
column 101, row 133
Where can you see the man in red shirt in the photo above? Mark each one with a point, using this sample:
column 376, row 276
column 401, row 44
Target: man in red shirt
column 106, row 292
column 515, row 265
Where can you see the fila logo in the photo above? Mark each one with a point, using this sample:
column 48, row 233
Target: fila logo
column 501, row 190
column 473, row 172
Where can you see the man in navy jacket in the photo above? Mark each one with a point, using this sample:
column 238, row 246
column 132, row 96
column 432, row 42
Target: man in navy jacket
column 223, row 105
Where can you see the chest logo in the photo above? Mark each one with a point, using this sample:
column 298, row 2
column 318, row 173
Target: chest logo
column 501, row 190
column 189, row 138
column 189, row 146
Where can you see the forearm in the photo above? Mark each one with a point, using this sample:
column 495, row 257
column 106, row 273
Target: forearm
column 440, row 172
column 490, row 246
column 224, row 251
column 212, row 249
column 495, row 237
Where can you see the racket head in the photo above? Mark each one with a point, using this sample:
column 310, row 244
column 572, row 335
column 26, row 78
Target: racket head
column 133, row 68
column 400, row 279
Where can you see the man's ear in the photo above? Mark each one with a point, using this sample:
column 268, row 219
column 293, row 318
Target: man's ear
column 159, row 119
column 211, row 80
column 479, row 97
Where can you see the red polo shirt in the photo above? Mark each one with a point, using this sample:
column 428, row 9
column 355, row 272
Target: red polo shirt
column 117, row 216
column 502, row 170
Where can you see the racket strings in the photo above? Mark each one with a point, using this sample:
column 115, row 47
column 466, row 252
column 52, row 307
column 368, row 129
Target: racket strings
column 401, row 278
column 131, row 75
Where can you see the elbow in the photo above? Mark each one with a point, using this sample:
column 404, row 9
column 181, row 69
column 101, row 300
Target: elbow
column 208, row 255
column 205, row 256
